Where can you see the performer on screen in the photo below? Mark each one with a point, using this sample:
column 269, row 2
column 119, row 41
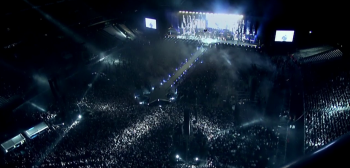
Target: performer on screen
column 284, row 38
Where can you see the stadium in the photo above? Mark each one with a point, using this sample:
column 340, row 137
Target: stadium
column 179, row 83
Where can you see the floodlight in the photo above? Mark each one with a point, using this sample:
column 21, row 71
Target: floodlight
column 177, row 156
column 196, row 159
column 79, row 116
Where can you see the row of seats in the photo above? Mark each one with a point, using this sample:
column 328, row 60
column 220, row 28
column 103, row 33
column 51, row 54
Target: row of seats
column 324, row 56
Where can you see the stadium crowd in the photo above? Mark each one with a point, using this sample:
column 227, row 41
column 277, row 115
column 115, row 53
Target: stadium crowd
column 326, row 105
column 115, row 131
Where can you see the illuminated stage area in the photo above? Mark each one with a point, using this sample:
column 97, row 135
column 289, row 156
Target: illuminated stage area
column 215, row 27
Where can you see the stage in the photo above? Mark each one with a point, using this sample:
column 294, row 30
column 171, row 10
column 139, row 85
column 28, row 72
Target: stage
column 160, row 93
column 209, row 41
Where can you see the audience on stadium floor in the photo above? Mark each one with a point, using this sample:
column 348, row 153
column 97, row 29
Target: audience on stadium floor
column 115, row 131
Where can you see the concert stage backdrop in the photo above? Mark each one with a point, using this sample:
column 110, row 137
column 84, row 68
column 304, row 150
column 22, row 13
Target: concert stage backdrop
column 218, row 27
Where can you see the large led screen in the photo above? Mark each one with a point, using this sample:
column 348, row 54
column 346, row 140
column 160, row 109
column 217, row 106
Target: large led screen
column 214, row 27
column 151, row 23
column 284, row 35
column 194, row 21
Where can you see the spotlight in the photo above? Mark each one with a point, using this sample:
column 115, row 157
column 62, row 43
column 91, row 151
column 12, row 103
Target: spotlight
column 177, row 156
column 79, row 116
column 196, row 159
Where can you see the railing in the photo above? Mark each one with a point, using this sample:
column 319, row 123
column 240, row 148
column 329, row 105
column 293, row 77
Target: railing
column 332, row 155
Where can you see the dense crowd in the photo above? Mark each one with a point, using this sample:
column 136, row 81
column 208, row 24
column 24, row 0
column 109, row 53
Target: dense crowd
column 115, row 131
column 326, row 104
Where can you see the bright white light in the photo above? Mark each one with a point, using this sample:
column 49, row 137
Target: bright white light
column 152, row 88
column 151, row 23
column 310, row 32
column 161, row 83
column 123, row 35
column 177, row 156
column 36, row 106
column 209, row 41
column 79, row 116
column 284, row 35
column 172, row 98
column 196, row 159
column 6, row 151
column 135, row 97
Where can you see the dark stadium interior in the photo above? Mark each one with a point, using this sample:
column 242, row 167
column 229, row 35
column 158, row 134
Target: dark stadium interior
column 177, row 83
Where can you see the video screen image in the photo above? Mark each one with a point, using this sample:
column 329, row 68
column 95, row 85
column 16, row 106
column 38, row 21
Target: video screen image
column 284, row 36
column 215, row 26
column 151, row 23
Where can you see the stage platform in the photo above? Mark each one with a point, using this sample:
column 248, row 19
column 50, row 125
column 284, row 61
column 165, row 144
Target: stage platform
column 161, row 92
column 216, row 41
